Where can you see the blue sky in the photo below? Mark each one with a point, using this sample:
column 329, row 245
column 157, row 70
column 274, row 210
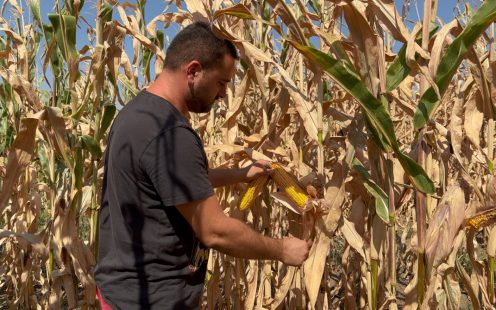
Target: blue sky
column 446, row 12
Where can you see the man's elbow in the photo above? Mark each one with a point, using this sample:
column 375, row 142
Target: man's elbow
column 212, row 240
column 218, row 235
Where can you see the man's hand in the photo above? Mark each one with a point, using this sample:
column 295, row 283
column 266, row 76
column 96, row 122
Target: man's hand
column 295, row 251
column 258, row 169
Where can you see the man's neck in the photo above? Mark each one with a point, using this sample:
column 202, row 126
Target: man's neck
column 166, row 86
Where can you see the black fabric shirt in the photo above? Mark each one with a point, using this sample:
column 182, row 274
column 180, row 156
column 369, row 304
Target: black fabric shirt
column 149, row 257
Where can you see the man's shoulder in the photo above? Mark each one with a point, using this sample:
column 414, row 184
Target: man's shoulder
column 150, row 112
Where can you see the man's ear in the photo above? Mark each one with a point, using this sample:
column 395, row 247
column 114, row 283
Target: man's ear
column 193, row 68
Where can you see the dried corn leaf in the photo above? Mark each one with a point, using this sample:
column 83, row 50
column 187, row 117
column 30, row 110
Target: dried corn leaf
column 473, row 118
column 19, row 157
column 445, row 224
column 325, row 230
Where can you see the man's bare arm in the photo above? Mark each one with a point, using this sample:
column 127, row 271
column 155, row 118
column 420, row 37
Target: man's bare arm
column 223, row 176
column 233, row 237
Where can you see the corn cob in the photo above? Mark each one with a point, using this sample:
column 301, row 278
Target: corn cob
column 285, row 181
column 481, row 219
column 252, row 192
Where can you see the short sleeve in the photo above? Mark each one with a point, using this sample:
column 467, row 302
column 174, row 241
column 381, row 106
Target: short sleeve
column 176, row 165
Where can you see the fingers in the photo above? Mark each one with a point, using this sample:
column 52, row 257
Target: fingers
column 296, row 250
column 259, row 168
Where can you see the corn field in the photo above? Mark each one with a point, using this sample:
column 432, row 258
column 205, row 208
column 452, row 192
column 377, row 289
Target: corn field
column 387, row 123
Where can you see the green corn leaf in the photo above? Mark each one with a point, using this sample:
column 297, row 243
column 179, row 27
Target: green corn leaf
column 377, row 115
column 399, row 69
column 239, row 10
column 128, row 85
column 160, row 38
column 341, row 55
column 106, row 11
column 108, row 116
column 376, row 136
column 55, row 62
column 34, row 5
column 381, row 199
column 454, row 55
column 64, row 27
column 78, row 168
column 146, row 62
column 90, row 144
column 315, row 6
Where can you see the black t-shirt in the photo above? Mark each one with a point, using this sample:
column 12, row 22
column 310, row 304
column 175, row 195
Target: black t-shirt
column 149, row 257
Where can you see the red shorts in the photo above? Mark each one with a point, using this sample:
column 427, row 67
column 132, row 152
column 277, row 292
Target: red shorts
column 103, row 304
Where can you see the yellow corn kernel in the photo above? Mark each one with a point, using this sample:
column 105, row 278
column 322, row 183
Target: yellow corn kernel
column 480, row 220
column 476, row 221
column 286, row 182
column 252, row 192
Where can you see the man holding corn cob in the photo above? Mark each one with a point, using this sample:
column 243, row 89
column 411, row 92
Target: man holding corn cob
column 159, row 213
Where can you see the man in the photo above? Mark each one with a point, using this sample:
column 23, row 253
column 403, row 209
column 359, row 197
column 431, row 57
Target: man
column 159, row 213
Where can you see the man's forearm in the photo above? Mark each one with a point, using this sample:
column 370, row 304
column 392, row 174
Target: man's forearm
column 231, row 236
column 238, row 239
column 222, row 177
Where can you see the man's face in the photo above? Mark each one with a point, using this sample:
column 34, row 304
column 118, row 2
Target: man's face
column 210, row 85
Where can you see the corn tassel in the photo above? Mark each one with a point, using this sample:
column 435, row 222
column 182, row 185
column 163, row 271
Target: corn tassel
column 285, row 181
column 254, row 189
column 481, row 220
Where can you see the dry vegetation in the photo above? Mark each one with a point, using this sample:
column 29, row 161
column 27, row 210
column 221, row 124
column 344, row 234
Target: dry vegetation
column 397, row 145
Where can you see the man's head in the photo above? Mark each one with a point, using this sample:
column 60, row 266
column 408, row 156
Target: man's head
column 208, row 63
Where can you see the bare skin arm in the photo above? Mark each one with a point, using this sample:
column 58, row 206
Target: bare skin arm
column 232, row 237
column 222, row 176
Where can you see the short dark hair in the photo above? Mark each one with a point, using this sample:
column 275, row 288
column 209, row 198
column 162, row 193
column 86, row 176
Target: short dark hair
column 198, row 42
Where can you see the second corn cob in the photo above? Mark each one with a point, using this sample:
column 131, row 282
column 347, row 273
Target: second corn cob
column 286, row 182
column 252, row 192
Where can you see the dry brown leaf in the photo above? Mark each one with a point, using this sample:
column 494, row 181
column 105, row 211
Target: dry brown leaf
column 444, row 226
column 379, row 234
column 365, row 39
column 440, row 41
column 325, row 230
column 479, row 75
column 283, row 287
column 455, row 128
column 235, row 105
column 473, row 119
column 140, row 38
column 491, row 77
column 232, row 149
column 35, row 241
column 251, row 285
column 23, row 88
column 491, row 189
column 353, row 237
column 307, row 112
column 199, row 10
column 388, row 16
column 167, row 18
column 19, row 157
column 55, row 119
column 491, row 242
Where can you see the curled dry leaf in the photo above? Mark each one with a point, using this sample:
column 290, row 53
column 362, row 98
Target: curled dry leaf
column 473, row 119
column 325, row 230
column 491, row 189
column 446, row 221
